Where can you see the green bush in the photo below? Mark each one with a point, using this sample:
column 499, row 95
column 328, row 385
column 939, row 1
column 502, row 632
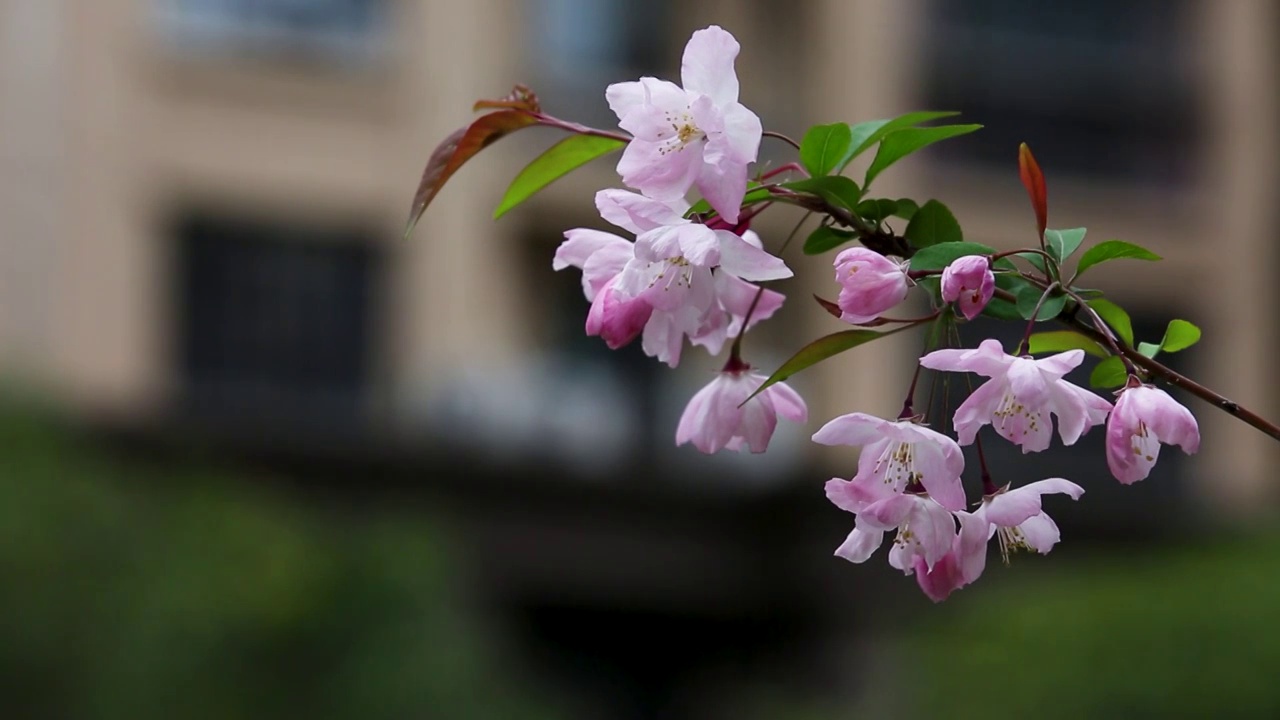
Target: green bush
column 137, row 592
column 1193, row 632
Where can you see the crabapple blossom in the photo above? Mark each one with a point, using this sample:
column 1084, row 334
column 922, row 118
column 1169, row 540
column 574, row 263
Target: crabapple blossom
column 616, row 318
column 870, row 284
column 924, row 529
column 962, row 564
column 969, row 281
column 717, row 417
column 1017, row 520
column 698, row 134
column 1020, row 395
column 1144, row 417
column 899, row 454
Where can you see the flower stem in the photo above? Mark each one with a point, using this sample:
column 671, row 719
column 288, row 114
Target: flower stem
column 783, row 138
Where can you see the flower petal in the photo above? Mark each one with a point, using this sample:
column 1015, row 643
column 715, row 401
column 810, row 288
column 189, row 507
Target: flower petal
column 860, row 544
column 853, row 429
column 707, row 65
column 740, row 258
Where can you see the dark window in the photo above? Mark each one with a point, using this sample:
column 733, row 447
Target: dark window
column 1097, row 88
column 341, row 30
column 275, row 321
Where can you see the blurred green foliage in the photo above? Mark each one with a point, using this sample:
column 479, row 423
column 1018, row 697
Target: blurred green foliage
column 135, row 592
column 1138, row 633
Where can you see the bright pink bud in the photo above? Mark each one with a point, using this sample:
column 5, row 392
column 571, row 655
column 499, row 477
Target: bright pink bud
column 616, row 318
column 969, row 281
column 870, row 284
column 1144, row 417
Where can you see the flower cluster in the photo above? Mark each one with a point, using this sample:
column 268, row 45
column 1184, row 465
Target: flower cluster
column 683, row 273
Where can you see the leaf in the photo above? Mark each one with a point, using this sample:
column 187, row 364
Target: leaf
column 1003, row 309
column 1109, row 373
column 837, row 190
column 1115, row 317
column 754, row 195
column 1148, row 349
column 866, row 134
column 901, row 143
column 1113, row 250
column 821, row 349
column 829, row 306
column 906, row 208
column 932, row 224
column 1061, row 243
column 1033, row 181
column 459, row 147
column 1063, row 340
column 823, row 147
column 876, row 210
column 1036, row 260
column 936, row 257
column 1029, row 298
column 824, row 239
column 520, row 98
column 1180, row 335
column 559, row 160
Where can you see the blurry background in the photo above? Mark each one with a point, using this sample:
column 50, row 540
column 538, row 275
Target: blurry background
column 261, row 458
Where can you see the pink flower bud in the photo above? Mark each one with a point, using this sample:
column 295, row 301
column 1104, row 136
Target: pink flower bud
column 969, row 281
column 616, row 318
column 870, row 284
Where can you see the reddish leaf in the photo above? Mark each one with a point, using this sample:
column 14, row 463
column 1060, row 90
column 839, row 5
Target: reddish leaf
column 1033, row 179
column 521, row 98
column 460, row 147
column 829, row 306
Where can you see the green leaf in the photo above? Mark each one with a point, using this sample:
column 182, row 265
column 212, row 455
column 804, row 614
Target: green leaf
column 559, row 159
column 932, row 224
column 907, row 208
column 1116, row 317
column 824, row 239
column 1113, row 250
column 901, row 143
column 1036, row 260
column 1061, row 243
column 1003, row 309
column 1148, row 349
column 821, row 349
column 876, row 210
column 1029, row 298
column 1109, row 373
column 866, row 134
column 1063, row 340
column 823, row 147
column 1180, row 335
column 837, row 190
column 936, row 257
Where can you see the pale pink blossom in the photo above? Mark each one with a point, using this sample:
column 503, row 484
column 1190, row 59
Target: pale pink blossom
column 924, row 529
column 717, row 417
column 613, row 316
column 870, row 284
column 962, row 564
column 1019, row 522
column 696, row 135
column 1144, row 417
column 734, row 298
column 1020, row 396
column 969, row 282
column 898, row 455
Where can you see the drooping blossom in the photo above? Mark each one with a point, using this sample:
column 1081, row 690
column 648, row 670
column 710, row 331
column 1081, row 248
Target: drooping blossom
column 1020, row 396
column 717, row 417
column 1144, row 417
column 870, row 284
column 899, row 454
column 969, row 282
column 924, row 529
column 696, row 135
column 1019, row 522
column 962, row 564
column 613, row 316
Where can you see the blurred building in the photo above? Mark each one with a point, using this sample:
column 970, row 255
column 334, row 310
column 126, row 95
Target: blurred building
column 201, row 204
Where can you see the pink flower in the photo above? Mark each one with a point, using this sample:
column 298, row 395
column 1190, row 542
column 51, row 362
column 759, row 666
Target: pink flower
column 924, row 528
column 734, row 297
column 714, row 420
column 1144, row 417
column 1017, row 520
column 896, row 455
column 699, row 134
column 1020, row 396
column 870, row 284
column 616, row 318
column 970, row 281
column 962, row 564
